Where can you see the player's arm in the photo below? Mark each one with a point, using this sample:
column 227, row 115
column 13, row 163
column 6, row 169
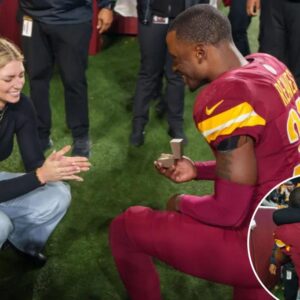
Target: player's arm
column 105, row 15
column 236, row 176
column 286, row 215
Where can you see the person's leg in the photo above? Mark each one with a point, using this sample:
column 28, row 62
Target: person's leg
column 153, row 51
column 39, row 62
column 239, row 21
column 161, row 106
column 35, row 214
column 292, row 12
column 211, row 253
column 71, row 52
column 6, row 227
column 266, row 27
column 174, row 98
column 279, row 49
column 290, row 282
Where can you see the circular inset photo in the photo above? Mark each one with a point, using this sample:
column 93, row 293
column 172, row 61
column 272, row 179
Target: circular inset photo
column 274, row 241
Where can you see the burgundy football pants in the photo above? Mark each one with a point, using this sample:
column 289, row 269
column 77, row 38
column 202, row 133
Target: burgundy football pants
column 211, row 253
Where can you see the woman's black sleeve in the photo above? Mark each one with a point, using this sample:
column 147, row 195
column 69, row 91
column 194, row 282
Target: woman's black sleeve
column 18, row 186
column 27, row 135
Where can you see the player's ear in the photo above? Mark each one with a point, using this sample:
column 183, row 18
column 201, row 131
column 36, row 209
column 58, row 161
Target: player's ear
column 200, row 52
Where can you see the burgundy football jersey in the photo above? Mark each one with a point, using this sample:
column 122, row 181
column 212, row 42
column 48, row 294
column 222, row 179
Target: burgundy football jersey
column 261, row 100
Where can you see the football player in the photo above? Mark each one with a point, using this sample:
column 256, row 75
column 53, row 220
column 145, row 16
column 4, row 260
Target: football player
column 249, row 115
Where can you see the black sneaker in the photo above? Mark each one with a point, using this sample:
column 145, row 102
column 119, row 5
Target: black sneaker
column 178, row 134
column 81, row 147
column 38, row 259
column 46, row 143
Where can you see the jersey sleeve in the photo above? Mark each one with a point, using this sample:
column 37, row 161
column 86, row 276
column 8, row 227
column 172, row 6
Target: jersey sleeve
column 230, row 111
column 18, row 186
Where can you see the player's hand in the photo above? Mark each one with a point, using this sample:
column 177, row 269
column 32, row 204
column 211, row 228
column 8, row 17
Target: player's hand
column 105, row 19
column 182, row 171
column 272, row 269
column 253, row 7
column 60, row 167
column 173, row 203
column 280, row 206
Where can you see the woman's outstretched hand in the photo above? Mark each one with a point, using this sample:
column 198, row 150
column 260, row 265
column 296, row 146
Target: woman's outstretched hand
column 57, row 167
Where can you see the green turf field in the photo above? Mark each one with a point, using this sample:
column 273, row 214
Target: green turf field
column 80, row 265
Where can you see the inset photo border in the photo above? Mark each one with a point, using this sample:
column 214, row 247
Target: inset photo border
column 274, row 241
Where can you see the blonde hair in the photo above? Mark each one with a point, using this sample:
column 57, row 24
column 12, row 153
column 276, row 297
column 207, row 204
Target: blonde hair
column 9, row 52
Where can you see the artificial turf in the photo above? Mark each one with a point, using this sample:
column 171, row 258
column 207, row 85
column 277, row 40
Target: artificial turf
column 80, row 264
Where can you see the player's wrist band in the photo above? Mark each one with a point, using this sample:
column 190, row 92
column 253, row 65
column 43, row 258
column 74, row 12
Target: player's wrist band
column 206, row 170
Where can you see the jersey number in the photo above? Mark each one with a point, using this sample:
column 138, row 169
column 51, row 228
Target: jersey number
column 293, row 129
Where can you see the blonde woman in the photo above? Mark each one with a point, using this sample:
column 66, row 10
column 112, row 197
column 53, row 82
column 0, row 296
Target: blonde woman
column 31, row 203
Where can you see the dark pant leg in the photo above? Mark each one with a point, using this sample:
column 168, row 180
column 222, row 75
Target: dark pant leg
column 292, row 20
column 279, row 49
column 266, row 33
column 39, row 62
column 174, row 96
column 71, row 45
column 290, row 282
column 153, row 54
column 239, row 24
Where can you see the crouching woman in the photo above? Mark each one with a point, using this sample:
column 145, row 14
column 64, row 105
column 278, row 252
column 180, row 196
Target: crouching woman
column 32, row 203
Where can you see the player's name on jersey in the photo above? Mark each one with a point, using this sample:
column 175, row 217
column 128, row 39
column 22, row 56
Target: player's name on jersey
column 286, row 87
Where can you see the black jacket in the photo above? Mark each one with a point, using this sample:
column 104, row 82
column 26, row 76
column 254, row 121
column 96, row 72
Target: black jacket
column 145, row 13
column 61, row 11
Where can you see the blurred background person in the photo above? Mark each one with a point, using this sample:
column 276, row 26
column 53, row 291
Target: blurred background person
column 279, row 25
column 154, row 19
column 60, row 31
column 240, row 21
column 287, row 271
column 286, row 237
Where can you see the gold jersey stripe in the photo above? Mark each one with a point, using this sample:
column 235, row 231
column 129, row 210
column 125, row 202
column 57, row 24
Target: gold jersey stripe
column 225, row 123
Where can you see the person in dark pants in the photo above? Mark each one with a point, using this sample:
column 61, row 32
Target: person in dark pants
column 60, row 31
column 281, row 23
column 288, row 274
column 290, row 281
column 240, row 21
column 286, row 238
column 154, row 19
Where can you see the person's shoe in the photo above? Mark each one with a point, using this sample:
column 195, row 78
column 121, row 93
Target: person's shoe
column 137, row 137
column 38, row 259
column 178, row 134
column 46, row 143
column 81, row 147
